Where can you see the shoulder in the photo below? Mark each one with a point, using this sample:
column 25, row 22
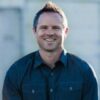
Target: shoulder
column 85, row 68
column 23, row 62
column 75, row 60
column 18, row 69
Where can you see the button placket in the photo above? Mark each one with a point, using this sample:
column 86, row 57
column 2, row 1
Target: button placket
column 51, row 84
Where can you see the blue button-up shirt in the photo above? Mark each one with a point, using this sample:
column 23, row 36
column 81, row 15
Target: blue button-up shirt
column 31, row 79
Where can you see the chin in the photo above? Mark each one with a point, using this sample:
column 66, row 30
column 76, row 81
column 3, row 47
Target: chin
column 50, row 50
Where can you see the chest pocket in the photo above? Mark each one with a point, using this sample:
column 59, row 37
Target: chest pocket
column 69, row 91
column 33, row 92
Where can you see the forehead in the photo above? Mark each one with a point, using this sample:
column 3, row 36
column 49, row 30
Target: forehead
column 50, row 18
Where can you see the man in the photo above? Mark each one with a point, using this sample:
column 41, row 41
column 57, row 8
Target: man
column 50, row 73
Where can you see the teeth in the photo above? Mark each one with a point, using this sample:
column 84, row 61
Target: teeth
column 50, row 40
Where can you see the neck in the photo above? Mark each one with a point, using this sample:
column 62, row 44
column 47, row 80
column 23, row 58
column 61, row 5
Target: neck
column 50, row 57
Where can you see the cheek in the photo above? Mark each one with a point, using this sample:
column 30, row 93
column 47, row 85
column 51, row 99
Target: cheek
column 60, row 35
column 39, row 34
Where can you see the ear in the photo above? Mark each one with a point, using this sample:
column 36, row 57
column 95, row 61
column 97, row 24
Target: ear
column 66, row 31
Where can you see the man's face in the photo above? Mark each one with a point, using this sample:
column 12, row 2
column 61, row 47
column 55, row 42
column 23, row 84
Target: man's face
column 50, row 32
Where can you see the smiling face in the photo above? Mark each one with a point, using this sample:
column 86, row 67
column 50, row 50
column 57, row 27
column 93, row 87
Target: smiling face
column 50, row 32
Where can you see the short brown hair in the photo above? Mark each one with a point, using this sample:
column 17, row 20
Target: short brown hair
column 49, row 7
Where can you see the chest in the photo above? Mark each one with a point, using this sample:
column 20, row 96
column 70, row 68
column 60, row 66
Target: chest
column 63, row 84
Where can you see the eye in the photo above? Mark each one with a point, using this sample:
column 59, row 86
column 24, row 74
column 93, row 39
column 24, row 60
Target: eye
column 44, row 27
column 56, row 27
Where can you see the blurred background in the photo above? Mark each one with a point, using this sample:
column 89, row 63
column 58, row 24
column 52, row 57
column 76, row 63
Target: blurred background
column 17, row 39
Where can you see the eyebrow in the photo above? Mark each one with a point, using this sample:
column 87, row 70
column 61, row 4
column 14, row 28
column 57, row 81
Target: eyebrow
column 43, row 26
column 53, row 26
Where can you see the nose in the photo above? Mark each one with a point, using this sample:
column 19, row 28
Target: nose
column 50, row 31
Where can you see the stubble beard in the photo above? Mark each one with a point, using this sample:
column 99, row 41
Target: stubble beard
column 55, row 49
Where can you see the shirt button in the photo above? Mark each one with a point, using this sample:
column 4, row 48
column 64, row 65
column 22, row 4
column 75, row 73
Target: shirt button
column 51, row 90
column 33, row 91
column 70, row 88
column 52, row 74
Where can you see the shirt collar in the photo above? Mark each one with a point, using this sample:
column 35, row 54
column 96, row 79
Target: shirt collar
column 63, row 57
column 38, row 60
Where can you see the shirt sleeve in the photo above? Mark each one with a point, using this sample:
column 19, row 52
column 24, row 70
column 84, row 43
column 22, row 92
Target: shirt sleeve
column 10, row 89
column 90, row 88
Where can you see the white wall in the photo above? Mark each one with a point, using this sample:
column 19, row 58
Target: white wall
column 10, row 41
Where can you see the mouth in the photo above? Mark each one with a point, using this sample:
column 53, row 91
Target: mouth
column 50, row 39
